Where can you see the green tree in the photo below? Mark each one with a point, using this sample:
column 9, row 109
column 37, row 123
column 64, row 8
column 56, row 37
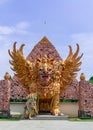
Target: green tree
column 91, row 80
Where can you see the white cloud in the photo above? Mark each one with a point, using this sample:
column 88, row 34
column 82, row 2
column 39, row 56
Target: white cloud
column 20, row 28
column 22, row 25
column 9, row 34
column 6, row 30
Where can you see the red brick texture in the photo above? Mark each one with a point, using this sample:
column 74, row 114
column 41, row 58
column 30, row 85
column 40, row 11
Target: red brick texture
column 4, row 98
column 4, row 95
column 86, row 97
column 44, row 47
column 17, row 90
column 71, row 91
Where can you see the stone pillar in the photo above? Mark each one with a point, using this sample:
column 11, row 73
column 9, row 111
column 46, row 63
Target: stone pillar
column 85, row 99
column 4, row 98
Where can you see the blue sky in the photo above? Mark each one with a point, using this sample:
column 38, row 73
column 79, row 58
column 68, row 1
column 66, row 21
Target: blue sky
column 64, row 22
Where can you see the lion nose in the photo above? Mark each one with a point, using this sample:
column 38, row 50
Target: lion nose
column 45, row 71
column 45, row 68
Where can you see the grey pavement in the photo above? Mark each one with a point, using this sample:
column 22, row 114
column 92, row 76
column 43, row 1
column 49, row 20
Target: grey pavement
column 45, row 125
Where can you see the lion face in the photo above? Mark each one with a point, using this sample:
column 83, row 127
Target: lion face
column 45, row 73
column 45, row 70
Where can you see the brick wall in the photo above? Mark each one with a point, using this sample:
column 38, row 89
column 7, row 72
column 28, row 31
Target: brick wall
column 85, row 99
column 4, row 97
column 82, row 90
column 71, row 91
column 17, row 90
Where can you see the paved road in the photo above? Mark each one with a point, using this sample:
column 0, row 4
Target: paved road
column 45, row 125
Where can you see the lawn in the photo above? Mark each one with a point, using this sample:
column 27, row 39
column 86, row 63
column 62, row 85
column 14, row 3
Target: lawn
column 78, row 119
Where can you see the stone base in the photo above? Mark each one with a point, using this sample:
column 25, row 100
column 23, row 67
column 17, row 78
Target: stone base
column 4, row 113
column 84, row 114
column 48, row 116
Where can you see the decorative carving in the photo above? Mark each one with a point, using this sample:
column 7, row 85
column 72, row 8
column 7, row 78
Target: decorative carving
column 7, row 76
column 45, row 41
column 31, row 108
column 82, row 76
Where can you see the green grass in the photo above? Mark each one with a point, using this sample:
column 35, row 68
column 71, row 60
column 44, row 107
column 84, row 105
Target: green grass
column 9, row 119
column 61, row 100
column 14, row 117
column 69, row 100
column 91, row 80
column 18, row 100
column 80, row 120
column 69, row 119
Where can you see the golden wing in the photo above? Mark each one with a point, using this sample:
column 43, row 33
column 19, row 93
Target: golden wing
column 69, row 67
column 23, row 69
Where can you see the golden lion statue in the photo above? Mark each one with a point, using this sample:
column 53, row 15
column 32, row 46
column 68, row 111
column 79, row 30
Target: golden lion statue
column 46, row 77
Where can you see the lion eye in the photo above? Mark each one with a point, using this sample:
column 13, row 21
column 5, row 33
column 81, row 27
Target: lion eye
column 49, row 69
column 40, row 69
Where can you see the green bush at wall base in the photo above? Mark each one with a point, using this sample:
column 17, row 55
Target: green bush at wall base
column 61, row 100
column 69, row 100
